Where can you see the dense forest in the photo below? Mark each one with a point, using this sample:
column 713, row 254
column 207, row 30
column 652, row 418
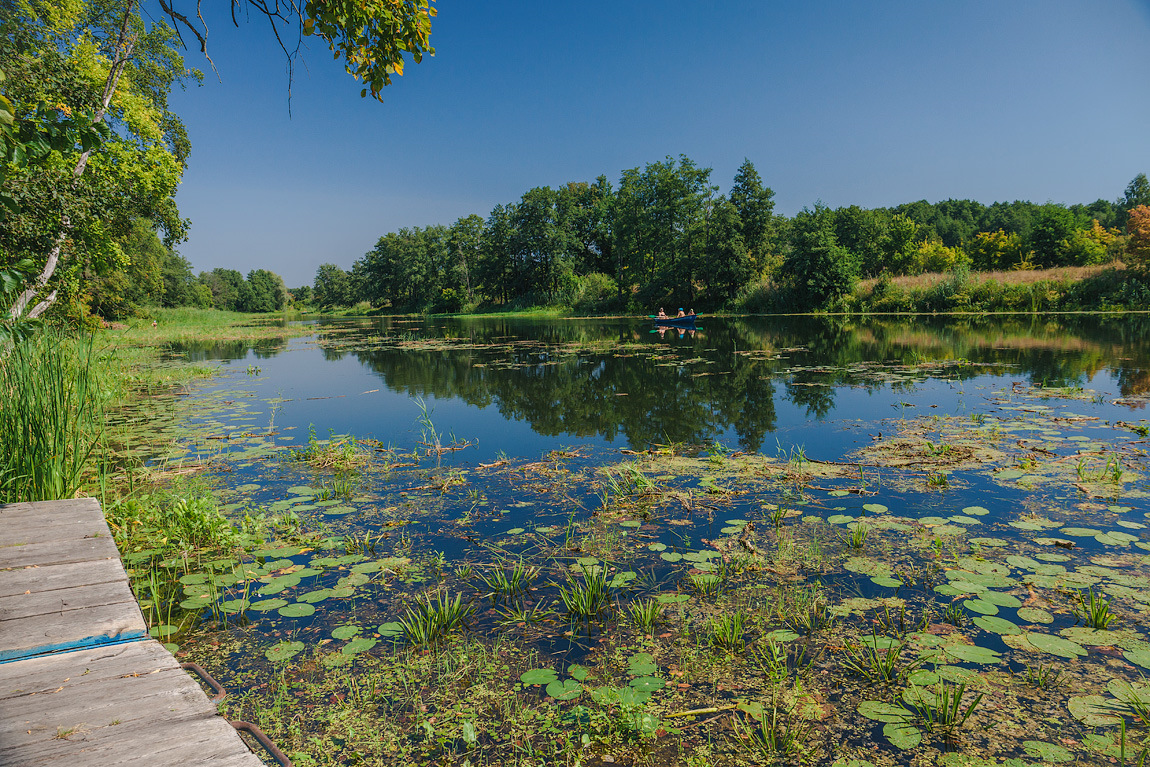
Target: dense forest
column 665, row 235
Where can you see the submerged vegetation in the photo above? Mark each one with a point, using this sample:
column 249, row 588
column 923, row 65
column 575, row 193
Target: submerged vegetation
column 684, row 602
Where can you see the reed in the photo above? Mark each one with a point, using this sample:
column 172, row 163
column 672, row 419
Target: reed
column 50, row 420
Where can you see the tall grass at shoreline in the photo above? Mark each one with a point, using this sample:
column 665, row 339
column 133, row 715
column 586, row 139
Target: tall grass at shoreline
column 50, row 417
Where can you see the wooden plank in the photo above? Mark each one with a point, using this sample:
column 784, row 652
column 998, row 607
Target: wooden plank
column 130, row 704
column 74, row 629
column 56, row 552
column 52, row 577
column 62, row 587
column 192, row 742
column 83, row 667
column 48, row 605
column 24, row 606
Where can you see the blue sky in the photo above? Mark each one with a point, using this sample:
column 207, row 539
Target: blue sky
column 845, row 101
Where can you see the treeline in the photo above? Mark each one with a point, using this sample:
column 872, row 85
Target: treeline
column 665, row 235
column 150, row 274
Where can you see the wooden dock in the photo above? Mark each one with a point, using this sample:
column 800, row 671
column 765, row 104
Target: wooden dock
column 81, row 683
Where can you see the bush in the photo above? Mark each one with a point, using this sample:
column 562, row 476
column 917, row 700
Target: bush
column 594, row 292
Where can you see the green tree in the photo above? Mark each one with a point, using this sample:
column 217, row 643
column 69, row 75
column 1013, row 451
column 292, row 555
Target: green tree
column 584, row 218
column 332, row 286
column 1050, row 235
column 1137, row 192
column 496, row 268
column 373, row 37
column 466, row 243
column 755, row 205
column 225, row 286
column 75, row 213
column 864, row 233
column 537, row 248
column 729, row 264
column 819, row 270
column 266, row 292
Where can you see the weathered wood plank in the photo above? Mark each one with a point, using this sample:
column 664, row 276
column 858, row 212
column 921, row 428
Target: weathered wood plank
column 71, row 630
column 192, row 742
column 84, row 667
column 56, row 552
column 128, row 704
column 52, row 577
column 32, row 605
column 50, row 607
column 62, row 587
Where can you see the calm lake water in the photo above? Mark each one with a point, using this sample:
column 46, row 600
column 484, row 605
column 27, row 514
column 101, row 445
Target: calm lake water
column 761, row 384
column 995, row 464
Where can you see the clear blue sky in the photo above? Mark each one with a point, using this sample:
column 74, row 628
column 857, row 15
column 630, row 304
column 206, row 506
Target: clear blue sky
column 846, row 101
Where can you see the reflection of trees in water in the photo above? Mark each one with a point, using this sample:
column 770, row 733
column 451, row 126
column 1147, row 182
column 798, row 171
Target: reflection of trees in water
column 614, row 378
column 590, row 393
column 205, row 350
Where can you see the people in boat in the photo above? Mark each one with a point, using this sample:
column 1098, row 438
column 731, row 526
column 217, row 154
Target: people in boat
column 662, row 314
column 691, row 313
column 681, row 313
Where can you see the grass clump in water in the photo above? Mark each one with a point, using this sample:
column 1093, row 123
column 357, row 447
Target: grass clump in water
column 429, row 621
column 589, row 597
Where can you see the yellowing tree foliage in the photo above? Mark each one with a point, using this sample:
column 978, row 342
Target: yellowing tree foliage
column 1138, row 244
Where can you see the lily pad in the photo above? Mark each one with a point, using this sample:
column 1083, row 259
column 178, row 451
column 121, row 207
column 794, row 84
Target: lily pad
column 539, row 676
column 568, row 689
column 1055, row 645
column 1035, row 615
column 902, row 735
column 883, row 712
column 977, row 511
column 358, row 645
column 282, row 651
column 297, row 610
column 648, row 683
column 1047, row 752
column 391, row 629
column 578, row 672
column 641, row 664
column 876, row 508
column 980, row 606
column 670, row 556
column 345, row 632
column 1093, row 710
column 972, row 653
column 267, row 605
column 996, row 625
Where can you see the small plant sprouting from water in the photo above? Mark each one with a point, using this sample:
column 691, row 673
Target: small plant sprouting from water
column 340, row 453
column 645, row 614
column 504, row 583
column 779, row 733
column 728, row 632
column 878, row 660
column 705, row 584
column 1094, row 610
column 940, row 710
column 588, row 597
column 1043, row 676
column 857, row 537
column 955, row 614
column 429, row 621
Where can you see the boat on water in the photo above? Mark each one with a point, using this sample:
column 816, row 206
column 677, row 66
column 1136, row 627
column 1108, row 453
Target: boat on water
column 686, row 321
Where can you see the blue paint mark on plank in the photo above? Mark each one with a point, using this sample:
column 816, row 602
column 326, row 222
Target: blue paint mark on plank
column 87, row 643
